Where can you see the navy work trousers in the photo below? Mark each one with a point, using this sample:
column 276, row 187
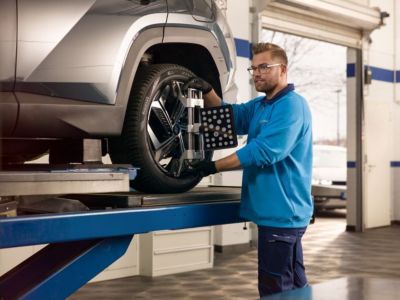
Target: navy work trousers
column 280, row 259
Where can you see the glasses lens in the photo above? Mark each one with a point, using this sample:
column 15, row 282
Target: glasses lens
column 263, row 68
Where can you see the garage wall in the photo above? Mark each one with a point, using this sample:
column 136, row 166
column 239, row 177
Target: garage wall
column 381, row 141
column 381, row 164
column 378, row 117
column 381, row 110
column 240, row 19
column 395, row 163
column 241, row 31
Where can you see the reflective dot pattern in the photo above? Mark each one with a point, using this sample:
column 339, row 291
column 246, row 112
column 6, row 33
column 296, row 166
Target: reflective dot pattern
column 217, row 127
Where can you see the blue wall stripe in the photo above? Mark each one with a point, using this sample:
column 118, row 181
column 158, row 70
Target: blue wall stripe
column 243, row 48
column 393, row 164
column 351, row 164
column 377, row 73
column 382, row 74
column 351, row 70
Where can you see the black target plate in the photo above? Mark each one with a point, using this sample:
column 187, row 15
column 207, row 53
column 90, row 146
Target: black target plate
column 218, row 128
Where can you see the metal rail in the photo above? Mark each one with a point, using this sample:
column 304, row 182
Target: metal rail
column 82, row 244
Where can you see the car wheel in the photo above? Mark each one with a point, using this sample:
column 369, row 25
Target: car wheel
column 153, row 138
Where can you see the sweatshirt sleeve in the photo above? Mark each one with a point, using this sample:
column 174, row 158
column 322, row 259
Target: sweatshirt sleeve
column 242, row 114
column 277, row 137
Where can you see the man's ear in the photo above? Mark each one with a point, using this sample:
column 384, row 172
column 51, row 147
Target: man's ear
column 284, row 69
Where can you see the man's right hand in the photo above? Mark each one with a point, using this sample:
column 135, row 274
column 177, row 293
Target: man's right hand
column 202, row 168
column 199, row 84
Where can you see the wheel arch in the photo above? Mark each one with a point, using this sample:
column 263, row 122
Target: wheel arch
column 182, row 46
column 191, row 56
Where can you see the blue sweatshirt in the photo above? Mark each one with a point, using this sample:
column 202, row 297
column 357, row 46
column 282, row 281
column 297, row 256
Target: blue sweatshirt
column 277, row 160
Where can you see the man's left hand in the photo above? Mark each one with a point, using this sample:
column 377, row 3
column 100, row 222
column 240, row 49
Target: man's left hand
column 203, row 168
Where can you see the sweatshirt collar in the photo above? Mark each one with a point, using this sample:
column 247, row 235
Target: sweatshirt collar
column 280, row 94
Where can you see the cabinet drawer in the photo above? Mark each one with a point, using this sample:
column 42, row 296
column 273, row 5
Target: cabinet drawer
column 182, row 238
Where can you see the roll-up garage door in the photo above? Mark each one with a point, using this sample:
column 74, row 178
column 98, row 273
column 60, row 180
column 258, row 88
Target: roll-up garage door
column 334, row 21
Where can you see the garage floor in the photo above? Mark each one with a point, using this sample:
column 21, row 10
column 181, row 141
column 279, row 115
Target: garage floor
column 329, row 252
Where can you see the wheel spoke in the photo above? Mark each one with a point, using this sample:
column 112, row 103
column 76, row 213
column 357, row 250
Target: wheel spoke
column 167, row 112
column 178, row 109
column 181, row 162
column 176, row 166
column 181, row 143
column 159, row 110
column 154, row 140
column 180, row 167
column 164, row 148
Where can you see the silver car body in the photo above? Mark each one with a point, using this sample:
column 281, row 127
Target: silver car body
column 67, row 66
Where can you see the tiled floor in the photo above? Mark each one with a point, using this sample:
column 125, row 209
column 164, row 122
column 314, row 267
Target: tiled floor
column 329, row 252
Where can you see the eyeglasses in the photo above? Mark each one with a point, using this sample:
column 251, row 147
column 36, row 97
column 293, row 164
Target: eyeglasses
column 262, row 68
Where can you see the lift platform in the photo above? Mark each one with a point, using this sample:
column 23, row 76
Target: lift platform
column 81, row 244
column 42, row 179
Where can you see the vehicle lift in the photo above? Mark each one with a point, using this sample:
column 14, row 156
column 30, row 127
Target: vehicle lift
column 92, row 223
column 84, row 243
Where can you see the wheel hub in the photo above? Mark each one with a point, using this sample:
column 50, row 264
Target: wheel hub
column 176, row 129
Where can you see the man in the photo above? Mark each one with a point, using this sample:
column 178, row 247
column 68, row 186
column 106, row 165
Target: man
column 277, row 163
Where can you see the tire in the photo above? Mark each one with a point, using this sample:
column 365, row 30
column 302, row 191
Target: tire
column 152, row 139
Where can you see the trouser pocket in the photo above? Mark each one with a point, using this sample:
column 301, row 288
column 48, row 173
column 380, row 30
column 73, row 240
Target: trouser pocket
column 275, row 272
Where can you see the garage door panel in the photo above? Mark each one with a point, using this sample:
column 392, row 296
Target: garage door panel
column 340, row 22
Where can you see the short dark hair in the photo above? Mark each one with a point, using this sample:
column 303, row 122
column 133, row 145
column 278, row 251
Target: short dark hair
column 275, row 50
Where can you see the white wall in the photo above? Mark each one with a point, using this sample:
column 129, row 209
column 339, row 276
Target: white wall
column 382, row 122
column 239, row 19
column 396, row 116
column 381, row 141
column 378, row 127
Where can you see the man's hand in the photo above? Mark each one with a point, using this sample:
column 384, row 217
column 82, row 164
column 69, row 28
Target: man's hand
column 199, row 84
column 203, row 168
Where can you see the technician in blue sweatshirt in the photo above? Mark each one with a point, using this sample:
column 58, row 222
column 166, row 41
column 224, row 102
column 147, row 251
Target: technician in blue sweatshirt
column 277, row 167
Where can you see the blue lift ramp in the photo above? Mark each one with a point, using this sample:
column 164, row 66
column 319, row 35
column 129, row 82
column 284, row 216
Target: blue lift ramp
column 82, row 244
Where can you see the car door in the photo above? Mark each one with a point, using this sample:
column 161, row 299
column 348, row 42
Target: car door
column 43, row 25
column 8, row 32
column 75, row 49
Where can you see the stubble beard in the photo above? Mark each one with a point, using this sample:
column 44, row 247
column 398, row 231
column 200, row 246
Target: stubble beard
column 267, row 88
